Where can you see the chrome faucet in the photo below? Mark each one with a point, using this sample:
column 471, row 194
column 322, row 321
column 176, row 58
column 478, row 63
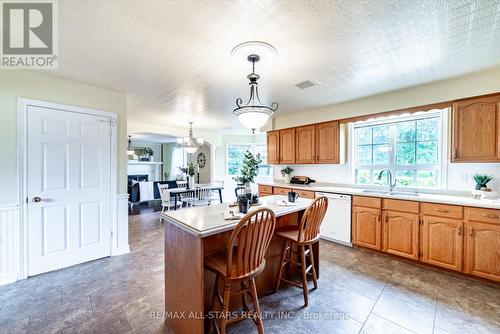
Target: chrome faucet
column 392, row 182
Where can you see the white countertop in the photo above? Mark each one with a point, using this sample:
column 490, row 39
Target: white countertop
column 421, row 197
column 209, row 220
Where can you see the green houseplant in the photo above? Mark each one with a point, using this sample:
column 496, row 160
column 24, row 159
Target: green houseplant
column 287, row 173
column 190, row 171
column 248, row 170
column 482, row 180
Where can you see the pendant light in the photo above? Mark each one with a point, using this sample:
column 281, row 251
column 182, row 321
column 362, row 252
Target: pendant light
column 190, row 144
column 253, row 114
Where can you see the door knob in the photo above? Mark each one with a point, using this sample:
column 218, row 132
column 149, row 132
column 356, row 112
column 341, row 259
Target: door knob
column 36, row 199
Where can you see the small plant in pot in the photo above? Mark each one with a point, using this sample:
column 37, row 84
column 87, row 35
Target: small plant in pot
column 190, row 171
column 147, row 154
column 248, row 171
column 287, row 173
column 482, row 180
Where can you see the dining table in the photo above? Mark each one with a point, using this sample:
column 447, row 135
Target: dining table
column 176, row 192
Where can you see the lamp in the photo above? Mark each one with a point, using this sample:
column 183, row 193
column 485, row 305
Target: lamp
column 190, row 144
column 130, row 151
column 254, row 114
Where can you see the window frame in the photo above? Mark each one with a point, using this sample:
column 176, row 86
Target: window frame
column 442, row 147
column 253, row 150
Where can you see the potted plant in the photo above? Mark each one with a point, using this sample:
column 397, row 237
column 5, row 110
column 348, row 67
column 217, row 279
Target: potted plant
column 190, row 171
column 147, row 154
column 287, row 173
column 248, row 171
column 482, row 180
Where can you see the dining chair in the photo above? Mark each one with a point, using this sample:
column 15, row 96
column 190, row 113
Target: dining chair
column 201, row 197
column 241, row 262
column 166, row 201
column 181, row 184
column 303, row 237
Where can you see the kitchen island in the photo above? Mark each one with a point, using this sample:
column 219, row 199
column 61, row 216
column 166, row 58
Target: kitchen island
column 194, row 233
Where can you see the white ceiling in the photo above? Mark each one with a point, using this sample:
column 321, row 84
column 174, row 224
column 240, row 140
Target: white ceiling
column 173, row 57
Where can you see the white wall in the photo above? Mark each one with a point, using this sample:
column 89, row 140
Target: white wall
column 469, row 85
column 205, row 171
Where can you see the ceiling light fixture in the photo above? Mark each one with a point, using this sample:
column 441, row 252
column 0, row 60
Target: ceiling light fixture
column 190, row 144
column 253, row 114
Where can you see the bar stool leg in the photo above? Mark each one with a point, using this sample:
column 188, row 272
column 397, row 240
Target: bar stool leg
column 282, row 264
column 225, row 307
column 256, row 307
column 304, row 273
column 315, row 277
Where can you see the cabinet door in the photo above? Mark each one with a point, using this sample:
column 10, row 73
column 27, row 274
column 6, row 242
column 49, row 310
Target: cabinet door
column 476, row 126
column 305, row 144
column 442, row 242
column 400, row 232
column 327, row 143
column 287, row 146
column 273, row 147
column 366, row 227
column 483, row 250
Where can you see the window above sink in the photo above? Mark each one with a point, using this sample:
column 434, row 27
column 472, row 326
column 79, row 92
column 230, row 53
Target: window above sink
column 411, row 147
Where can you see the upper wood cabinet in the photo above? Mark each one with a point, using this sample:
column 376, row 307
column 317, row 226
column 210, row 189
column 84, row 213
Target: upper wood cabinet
column 287, row 146
column 442, row 242
column 309, row 144
column 273, row 147
column 328, row 143
column 476, row 130
column 305, row 144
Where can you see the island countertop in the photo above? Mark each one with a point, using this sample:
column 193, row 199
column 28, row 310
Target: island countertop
column 208, row 220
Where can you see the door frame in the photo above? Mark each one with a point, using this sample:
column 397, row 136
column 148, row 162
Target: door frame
column 22, row 149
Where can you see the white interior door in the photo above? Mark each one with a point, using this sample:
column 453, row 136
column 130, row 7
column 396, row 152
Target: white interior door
column 68, row 188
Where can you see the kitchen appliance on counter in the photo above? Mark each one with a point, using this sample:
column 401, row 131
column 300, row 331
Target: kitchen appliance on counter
column 336, row 225
column 301, row 180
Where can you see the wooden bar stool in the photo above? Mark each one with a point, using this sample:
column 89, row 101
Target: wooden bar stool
column 240, row 263
column 303, row 237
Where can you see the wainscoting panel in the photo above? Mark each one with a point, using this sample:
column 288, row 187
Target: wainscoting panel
column 120, row 234
column 10, row 248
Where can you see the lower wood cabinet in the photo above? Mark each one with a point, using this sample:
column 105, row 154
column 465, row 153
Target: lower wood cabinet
column 367, row 227
column 483, row 250
column 442, row 242
column 400, row 233
column 454, row 237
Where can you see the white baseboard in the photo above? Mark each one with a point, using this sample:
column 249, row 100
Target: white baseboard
column 10, row 241
column 120, row 251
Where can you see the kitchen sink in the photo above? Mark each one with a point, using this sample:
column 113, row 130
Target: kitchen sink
column 393, row 193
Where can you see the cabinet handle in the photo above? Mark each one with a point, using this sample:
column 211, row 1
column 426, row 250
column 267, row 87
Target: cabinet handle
column 471, row 231
column 489, row 215
column 460, row 230
column 455, row 154
column 441, row 210
column 378, row 216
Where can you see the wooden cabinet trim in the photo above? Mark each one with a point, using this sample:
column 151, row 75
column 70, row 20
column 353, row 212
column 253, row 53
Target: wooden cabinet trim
column 400, row 205
column 305, row 144
column 361, row 217
column 305, row 193
column 485, row 264
column 442, row 210
column 395, row 244
column 483, row 215
column 371, row 202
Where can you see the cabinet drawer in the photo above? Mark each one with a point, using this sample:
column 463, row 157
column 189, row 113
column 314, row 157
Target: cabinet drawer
column 399, row 205
column 305, row 193
column 281, row 191
column 484, row 215
column 265, row 189
column 442, row 210
column 370, row 202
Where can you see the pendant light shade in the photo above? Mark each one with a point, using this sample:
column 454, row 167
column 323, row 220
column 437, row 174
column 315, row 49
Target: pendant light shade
column 253, row 114
column 190, row 144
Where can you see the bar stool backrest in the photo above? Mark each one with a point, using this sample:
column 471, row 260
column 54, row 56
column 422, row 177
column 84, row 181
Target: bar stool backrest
column 312, row 219
column 249, row 242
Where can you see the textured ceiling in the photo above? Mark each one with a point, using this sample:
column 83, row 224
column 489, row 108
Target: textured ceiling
column 173, row 57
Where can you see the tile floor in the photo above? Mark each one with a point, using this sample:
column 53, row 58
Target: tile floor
column 359, row 292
